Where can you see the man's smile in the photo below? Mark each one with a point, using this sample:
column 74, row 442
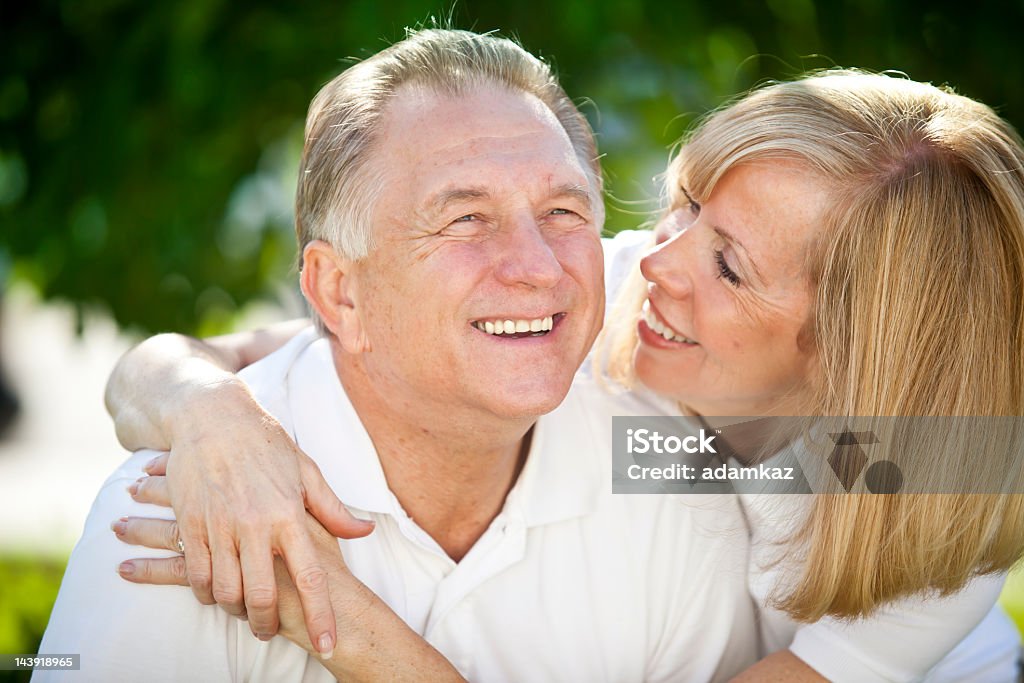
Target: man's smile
column 516, row 328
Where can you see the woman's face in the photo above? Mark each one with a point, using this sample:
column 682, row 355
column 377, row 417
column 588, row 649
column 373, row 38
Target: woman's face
column 726, row 284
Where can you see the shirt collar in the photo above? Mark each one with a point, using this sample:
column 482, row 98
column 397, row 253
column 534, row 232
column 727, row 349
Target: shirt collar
column 328, row 429
column 568, row 466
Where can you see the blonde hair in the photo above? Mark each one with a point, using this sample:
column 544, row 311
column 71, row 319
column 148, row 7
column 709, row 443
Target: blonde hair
column 337, row 189
column 918, row 286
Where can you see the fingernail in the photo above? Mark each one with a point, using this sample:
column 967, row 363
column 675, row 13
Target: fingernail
column 120, row 526
column 264, row 636
column 134, row 488
column 149, row 465
column 126, row 569
column 326, row 646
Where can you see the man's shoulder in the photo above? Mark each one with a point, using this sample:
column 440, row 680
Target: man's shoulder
column 111, row 621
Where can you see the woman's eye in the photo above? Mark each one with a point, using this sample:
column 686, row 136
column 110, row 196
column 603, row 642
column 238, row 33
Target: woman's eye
column 693, row 206
column 724, row 271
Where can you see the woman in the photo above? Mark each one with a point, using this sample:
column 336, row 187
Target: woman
column 846, row 245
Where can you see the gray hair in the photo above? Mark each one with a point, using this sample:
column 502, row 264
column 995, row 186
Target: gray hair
column 337, row 190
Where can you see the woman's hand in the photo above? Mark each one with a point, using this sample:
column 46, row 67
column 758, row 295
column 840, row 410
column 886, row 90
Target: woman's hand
column 375, row 644
column 241, row 488
column 163, row 534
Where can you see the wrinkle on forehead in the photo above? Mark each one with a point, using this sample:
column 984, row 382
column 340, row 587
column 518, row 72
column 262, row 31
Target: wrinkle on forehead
column 489, row 102
column 501, row 139
column 513, row 145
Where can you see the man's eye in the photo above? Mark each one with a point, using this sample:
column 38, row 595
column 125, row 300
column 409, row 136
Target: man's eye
column 465, row 226
column 563, row 212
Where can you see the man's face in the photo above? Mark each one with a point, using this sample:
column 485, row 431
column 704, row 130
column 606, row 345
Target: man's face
column 485, row 221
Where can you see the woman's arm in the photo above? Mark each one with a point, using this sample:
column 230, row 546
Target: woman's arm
column 176, row 393
column 160, row 377
column 780, row 667
column 374, row 643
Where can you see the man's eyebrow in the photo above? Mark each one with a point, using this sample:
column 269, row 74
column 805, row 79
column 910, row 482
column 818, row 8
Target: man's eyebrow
column 731, row 239
column 459, row 194
column 462, row 194
column 575, row 191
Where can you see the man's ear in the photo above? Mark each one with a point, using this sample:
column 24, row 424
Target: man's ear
column 332, row 288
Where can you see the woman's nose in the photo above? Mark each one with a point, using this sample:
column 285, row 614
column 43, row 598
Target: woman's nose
column 667, row 265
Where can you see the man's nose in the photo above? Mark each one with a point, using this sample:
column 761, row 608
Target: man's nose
column 527, row 257
column 668, row 265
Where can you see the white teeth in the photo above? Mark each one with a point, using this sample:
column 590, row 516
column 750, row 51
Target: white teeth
column 659, row 326
column 515, row 326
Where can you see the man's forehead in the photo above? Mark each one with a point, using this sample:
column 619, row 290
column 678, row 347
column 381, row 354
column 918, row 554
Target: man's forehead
column 482, row 101
column 429, row 124
column 445, row 147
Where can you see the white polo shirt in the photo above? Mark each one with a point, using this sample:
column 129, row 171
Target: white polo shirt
column 569, row 583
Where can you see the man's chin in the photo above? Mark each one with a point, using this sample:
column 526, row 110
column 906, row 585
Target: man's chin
column 525, row 401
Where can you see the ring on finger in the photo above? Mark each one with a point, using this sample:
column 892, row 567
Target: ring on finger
column 181, row 546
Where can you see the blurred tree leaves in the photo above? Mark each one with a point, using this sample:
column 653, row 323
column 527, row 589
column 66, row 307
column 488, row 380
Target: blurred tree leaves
column 28, row 589
column 148, row 150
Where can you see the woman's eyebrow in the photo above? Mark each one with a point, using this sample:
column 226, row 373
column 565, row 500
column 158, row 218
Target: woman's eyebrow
column 731, row 239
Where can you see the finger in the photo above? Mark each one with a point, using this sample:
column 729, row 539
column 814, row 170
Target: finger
column 152, row 490
column 325, row 506
column 164, row 572
column 310, row 581
column 197, row 561
column 152, row 533
column 157, row 466
column 227, row 574
column 259, row 587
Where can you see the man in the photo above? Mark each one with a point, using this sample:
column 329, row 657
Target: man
column 448, row 212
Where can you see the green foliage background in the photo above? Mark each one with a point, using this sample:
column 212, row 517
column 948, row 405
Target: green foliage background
column 148, row 150
column 28, row 589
